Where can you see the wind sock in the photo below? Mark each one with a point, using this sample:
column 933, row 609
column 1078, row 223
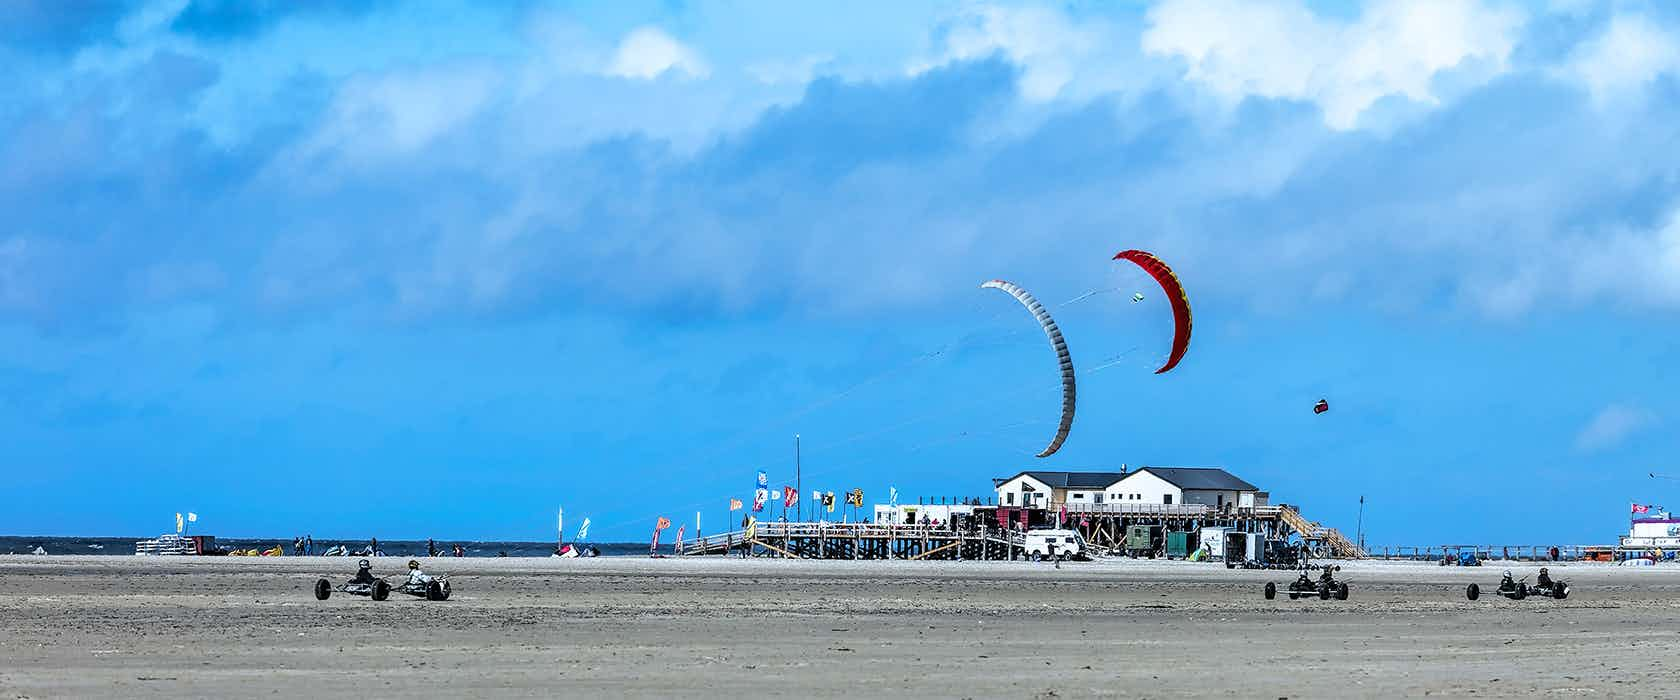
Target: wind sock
column 583, row 531
column 179, row 524
column 734, row 504
column 680, row 530
column 792, row 497
column 892, row 496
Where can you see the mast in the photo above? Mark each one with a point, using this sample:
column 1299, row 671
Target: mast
column 798, row 482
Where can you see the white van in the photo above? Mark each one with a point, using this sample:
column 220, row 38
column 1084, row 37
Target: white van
column 1065, row 542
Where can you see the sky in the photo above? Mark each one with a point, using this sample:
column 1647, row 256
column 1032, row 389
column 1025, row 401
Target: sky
column 434, row 269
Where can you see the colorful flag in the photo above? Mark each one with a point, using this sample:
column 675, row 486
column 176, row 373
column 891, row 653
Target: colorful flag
column 664, row 522
column 763, row 479
column 658, row 527
column 680, row 530
column 759, row 497
column 1640, row 509
column 752, row 527
column 775, row 494
column 892, row 496
column 734, row 504
column 179, row 524
column 792, row 497
column 583, row 531
column 192, row 517
column 828, row 501
column 855, row 498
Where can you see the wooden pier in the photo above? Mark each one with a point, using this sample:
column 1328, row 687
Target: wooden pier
column 997, row 533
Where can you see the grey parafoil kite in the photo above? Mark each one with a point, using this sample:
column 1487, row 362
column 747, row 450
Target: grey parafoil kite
column 1042, row 315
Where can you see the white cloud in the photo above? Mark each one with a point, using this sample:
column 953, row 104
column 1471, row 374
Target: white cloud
column 400, row 113
column 1280, row 49
column 648, row 53
column 1631, row 52
column 1614, row 424
column 1052, row 51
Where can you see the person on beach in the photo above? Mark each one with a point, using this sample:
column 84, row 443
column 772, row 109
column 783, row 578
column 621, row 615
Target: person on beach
column 460, row 551
column 309, row 545
column 364, row 572
column 415, row 575
column 431, row 547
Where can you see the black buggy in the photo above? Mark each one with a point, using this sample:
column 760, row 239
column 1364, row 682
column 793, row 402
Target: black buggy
column 1518, row 589
column 366, row 584
column 1324, row 587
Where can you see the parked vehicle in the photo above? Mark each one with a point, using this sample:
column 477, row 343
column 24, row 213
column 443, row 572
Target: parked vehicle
column 1324, row 587
column 1060, row 544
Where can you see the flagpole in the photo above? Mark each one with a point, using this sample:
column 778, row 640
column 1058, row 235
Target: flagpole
column 798, row 474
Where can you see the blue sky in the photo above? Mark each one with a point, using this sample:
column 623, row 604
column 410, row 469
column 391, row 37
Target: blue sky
column 432, row 269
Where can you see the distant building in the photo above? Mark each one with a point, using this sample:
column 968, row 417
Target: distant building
column 1042, row 489
column 1209, row 486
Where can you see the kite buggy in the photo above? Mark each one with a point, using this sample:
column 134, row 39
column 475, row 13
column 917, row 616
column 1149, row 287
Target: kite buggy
column 1325, row 588
column 1544, row 586
column 364, row 583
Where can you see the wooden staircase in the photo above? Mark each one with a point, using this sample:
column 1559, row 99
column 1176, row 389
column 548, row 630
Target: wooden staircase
column 1340, row 546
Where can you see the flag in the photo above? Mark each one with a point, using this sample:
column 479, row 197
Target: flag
column 828, row 501
column 752, row 528
column 680, row 530
column 192, row 517
column 759, row 497
column 1636, row 508
column 792, row 497
column 734, row 504
column 776, row 494
column 855, row 498
column 583, row 531
column 763, row 479
column 179, row 524
column 560, row 524
column 663, row 523
column 816, row 496
column 892, row 496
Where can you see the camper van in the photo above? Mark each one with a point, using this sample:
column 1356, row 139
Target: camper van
column 1066, row 542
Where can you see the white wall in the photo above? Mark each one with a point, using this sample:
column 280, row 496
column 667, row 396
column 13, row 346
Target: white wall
column 1211, row 497
column 1085, row 496
column 1142, row 487
column 1010, row 493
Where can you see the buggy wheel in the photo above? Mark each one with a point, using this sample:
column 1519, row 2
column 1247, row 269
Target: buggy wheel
column 1036, row 557
column 434, row 590
column 446, row 591
column 1293, row 595
column 323, row 589
column 1472, row 591
column 1323, row 592
column 1271, row 591
column 1560, row 590
column 1522, row 592
column 1342, row 592
column 1230, row 564
column 380, row 590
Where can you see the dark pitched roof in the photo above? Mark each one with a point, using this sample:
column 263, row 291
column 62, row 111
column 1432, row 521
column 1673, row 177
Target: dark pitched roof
column 1069, row 480
column 1200, row 478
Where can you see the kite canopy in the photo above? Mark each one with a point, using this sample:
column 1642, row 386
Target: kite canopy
column 1062, row 357
column 1175, row 295
column 1321, row 406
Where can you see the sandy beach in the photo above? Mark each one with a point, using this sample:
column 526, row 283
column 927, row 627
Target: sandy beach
column 153, row 627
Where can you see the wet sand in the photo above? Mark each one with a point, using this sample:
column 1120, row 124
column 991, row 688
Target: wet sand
column 154, row 627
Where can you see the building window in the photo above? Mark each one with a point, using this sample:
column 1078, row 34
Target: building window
column 1079, row 497
column 1166, row 498
column 1011, row 499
